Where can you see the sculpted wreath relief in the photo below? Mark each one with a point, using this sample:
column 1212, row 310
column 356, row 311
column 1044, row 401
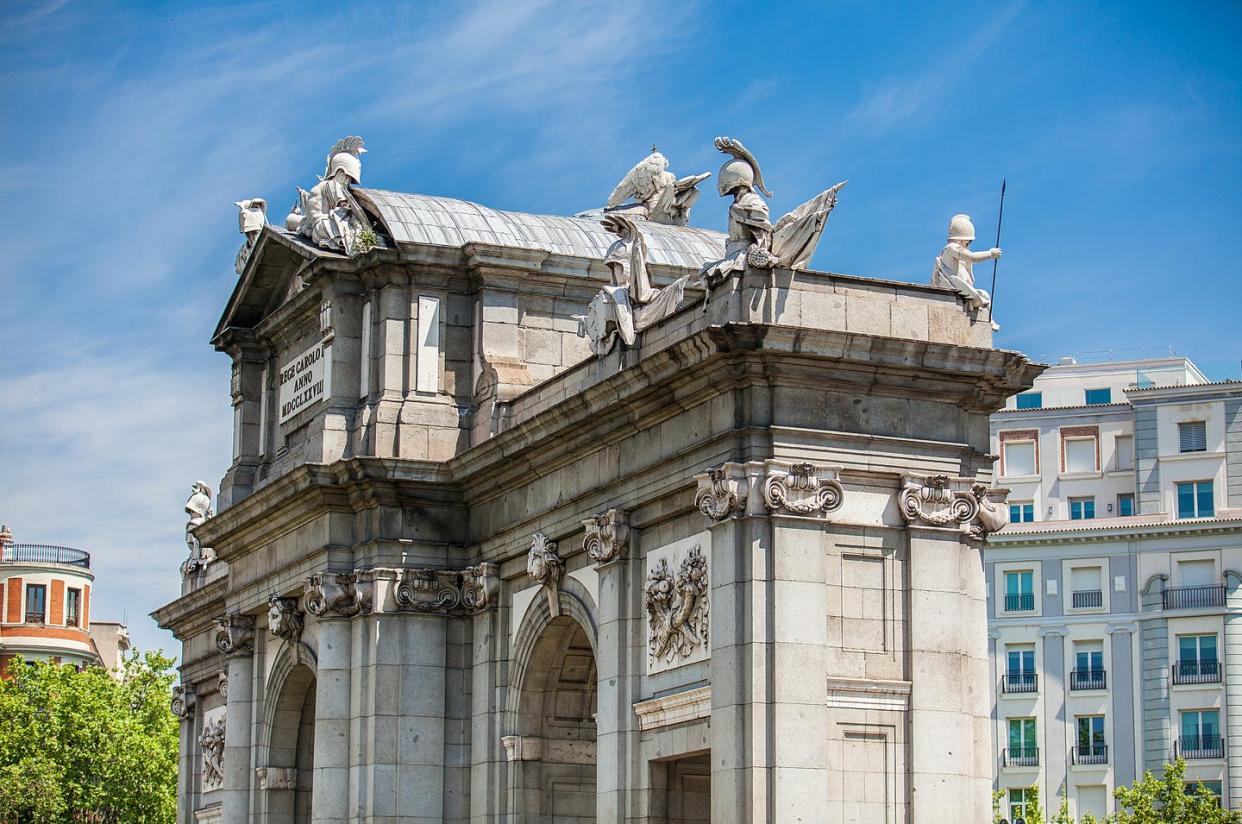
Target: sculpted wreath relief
column 677, row 608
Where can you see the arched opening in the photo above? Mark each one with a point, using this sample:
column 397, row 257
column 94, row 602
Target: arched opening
column 553, row 752
column 291, row 750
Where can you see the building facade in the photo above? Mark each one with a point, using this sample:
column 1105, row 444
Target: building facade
column 466, row 569
column 45, row 614
column 1114, row 601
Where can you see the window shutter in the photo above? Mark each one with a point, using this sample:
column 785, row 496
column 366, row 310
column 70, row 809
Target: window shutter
column 1192, row 436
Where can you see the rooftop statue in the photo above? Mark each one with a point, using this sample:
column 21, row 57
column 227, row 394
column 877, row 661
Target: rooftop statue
column 658, row 194
column 251, row 218
column 631, row 303
column 198, row 507
column 753, row 240
column 331, row 217
column 954, row 267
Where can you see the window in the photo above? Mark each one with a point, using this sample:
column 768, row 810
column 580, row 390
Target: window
column 1019, row 458
column 1088, row 672
column 1125, row 505
column 36, row 603
column 1087, row 591
column 1196, row 573
column 1201, row 734
column 1023, row 748
column 1098, row 396
column 1030, row 400
column 1197, row 661
column 1017, row 799
column 1091, row 747
column 1194, row 500
column 1192, row 436
column 1123, row 448
column 1020, row 668
column 1082, row 509
column 1021, row 512
column 1019, row 591
column 73, row 607
column 1192, row 788
column 1080, row 455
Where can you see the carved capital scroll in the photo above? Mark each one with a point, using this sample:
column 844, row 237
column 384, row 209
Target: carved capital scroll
column 801, row 488
column 236, row 634
column 722, row 491
column 607, row 536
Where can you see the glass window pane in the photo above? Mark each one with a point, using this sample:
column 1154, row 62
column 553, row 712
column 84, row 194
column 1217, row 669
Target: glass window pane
column 1185, row 500
column 1190, row 724
column 1125, row 505
column 1210, row 720
column 1205, row 499
column 1097, row 396
column 1207, row 648
column 1030, row 400
column 1188, row 648
column 1088, row 509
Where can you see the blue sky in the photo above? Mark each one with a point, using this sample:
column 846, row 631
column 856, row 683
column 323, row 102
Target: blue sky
column 129, row 131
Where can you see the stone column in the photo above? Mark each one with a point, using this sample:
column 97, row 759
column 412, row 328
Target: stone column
column 333, row 598
column 1233, row 685
column 488, row 676
column 1057, row 736
column 608, row 542
column 236, row 640
column 741, row 648
column 184, row 706
column 1124, row 756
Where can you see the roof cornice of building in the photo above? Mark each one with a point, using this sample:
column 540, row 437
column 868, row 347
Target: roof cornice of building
column 1157, row 393
column 1093, row 408
column 1114, row 529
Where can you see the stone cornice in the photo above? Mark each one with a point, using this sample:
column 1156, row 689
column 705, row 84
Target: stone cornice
column 193, row 612
column 677, row 708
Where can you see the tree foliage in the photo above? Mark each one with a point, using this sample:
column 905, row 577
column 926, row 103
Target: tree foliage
column 1164, row 800
column 85, row 746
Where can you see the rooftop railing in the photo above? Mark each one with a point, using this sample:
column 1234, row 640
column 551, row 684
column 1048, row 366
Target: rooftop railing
column 44, row 554
column 1209, row 595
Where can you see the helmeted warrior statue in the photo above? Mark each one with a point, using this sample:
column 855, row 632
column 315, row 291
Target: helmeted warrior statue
column 753, row 240
column 331, row 217
column 954, row 267
column 631, row 303
column 658, row 194
column 251, row 218
column 198, row 507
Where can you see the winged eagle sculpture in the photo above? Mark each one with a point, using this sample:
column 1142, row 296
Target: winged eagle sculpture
column 656, row 193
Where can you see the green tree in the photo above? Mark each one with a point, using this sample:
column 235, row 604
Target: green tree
column 1164, row 800
column 1034, row 812
column 1063, row 814
column 85, row 744
column 998, row 798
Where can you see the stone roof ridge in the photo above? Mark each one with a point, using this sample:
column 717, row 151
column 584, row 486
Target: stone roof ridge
column 411, row 218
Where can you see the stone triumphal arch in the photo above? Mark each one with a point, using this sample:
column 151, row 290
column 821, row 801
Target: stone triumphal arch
column 598, row 518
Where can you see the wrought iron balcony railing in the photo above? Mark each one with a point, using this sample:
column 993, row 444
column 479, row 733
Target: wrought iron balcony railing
column 1090, row 754
column 1087, row 599
column 1201, row 746
column 1196, row 672
column 1088, row 679
column 1210, row 595
column 1019, row 682
column 1020, row 602
column 35, row 618
column 44, row 554
column 1021, row 757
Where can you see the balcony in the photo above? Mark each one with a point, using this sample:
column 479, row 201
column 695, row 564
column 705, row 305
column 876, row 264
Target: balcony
column 1196, row 672
column 44, row 554
column 1088, row 599
column 35, row 618
column 1092, row 679
column 1200, row 746
column 1211, row 595
column 1021, row 602
column 1020, row 757
column 1019, row 682
column 1090, row 754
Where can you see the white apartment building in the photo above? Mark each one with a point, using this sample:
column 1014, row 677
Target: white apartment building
column 1115, row 594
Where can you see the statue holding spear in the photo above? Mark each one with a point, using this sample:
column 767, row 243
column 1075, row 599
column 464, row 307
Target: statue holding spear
column 954, row 268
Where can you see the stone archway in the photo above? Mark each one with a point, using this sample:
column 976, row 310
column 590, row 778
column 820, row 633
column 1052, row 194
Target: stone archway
column 287, row 781
column 552, row 751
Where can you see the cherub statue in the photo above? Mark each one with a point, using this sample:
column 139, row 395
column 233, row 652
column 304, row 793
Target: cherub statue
column 954, row 267
column 198, row 507
column 331, row 217
column 251, row 218
column 659, row 195
column 631, row 303
column 753, row 240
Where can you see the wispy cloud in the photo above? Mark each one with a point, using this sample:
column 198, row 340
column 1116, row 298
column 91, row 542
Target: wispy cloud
column 897, row 101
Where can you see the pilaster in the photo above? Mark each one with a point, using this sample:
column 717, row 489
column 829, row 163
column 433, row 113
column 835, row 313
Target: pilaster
column 236, row 640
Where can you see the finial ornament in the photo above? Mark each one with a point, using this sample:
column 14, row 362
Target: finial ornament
column 649, row 191
column 198, row 507
column 955, row 266
column 251, row 218
column 631, row 303
column 752, row 239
